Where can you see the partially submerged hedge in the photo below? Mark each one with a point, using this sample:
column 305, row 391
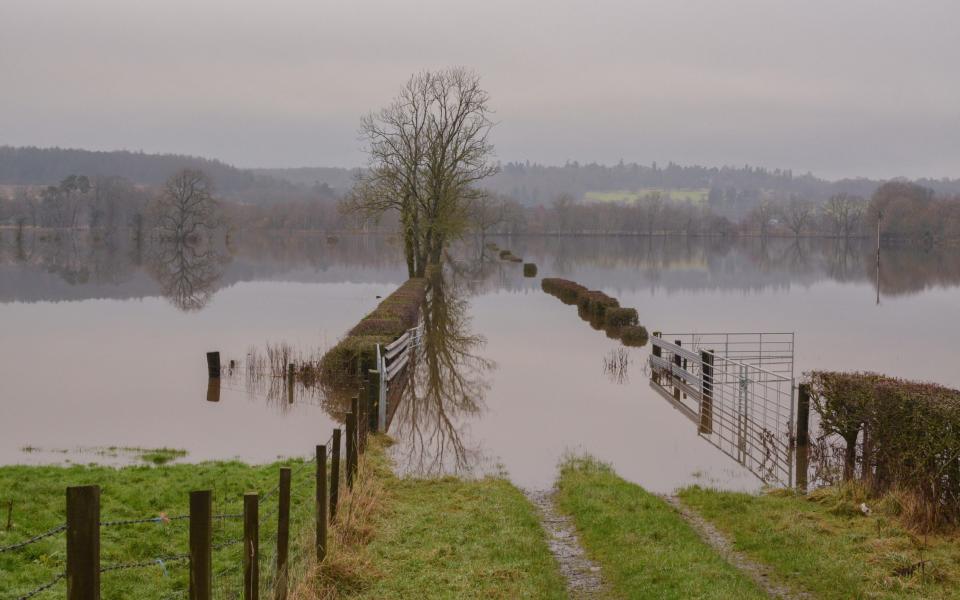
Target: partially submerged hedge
column 394, row 315
column 909, row 435
column 601, row 311
column 529, row 270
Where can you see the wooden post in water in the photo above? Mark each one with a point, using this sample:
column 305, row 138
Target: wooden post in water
column 213, row 364
column 283, row 535
column 251, row 546
column 656, row 352
column 201, row 540
column 321, row 512
column 83, row 542
column 673, row 378
column 706, row 393
column 351, row 448
column 335, row 474
column 213, row 389
column 803, row 435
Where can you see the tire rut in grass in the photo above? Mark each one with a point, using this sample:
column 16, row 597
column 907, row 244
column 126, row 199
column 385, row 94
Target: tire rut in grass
column 583, row 576
column 761, row 574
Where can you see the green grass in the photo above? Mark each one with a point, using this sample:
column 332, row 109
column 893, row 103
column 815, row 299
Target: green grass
column 829, row 548
column 453, row 538
column 38, row 496
column 645, row 549
column 696, row 195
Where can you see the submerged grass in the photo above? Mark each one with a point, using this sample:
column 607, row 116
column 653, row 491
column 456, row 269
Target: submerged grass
column 38, row 497
column 433, row 538
column 646, row 549
column 824, row 543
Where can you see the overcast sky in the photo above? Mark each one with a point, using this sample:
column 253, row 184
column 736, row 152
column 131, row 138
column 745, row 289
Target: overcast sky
column 841, row 88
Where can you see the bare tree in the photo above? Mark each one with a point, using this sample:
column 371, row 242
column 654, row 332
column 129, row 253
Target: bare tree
column 428, row 149
column 845, row 213
column 563, row 207
column 797, row 215
column 488, row 211
column 186, row 206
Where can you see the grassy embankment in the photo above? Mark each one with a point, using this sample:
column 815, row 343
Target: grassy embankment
column 824, row 543
column 38, row 496
column 645, row 549
column 433, row 538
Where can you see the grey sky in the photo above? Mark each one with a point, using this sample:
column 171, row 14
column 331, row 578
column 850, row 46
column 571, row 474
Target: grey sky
column 842, row 88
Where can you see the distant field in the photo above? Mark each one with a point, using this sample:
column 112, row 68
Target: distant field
column 695, row 195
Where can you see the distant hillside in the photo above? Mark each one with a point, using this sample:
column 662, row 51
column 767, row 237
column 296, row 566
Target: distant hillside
column 41, row 166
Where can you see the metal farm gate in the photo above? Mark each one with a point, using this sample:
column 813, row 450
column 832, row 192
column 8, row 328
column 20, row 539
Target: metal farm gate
column 392, row 359
column 738, row 389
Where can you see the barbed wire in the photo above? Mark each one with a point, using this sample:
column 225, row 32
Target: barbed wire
column 43, row 587
column 34, row 539
column 161, row 561
column 160, row 519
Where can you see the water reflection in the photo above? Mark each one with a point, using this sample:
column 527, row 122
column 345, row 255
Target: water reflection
column 445, row 389
column 188, row 272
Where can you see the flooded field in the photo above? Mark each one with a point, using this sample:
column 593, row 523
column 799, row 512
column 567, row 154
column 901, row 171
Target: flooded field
column 102, row 345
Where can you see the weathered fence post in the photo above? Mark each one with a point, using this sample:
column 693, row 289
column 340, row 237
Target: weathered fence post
column 213, row 364
column 283, row 534
column 658, row 353
column 706, row 392
column 251, row 546
column 213, row 389
column 373, row 400
column 83, row 542
column 201, row 539
column 673, row 378
column 803, row 435
column 335, row 474
column 351, row 448
column 321, row 539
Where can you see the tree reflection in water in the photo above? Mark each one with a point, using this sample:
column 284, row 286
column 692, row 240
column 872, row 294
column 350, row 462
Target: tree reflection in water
column 187, row 271
column 445, row 388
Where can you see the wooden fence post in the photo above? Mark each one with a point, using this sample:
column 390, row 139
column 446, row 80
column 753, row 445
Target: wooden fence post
column 803, row 435
column 656, row 352
column 321, row 508
column 213, row 364
column 678, row 363
column 359, row 409
column 283, row 534
column 83, row 542
column 201, row 539
column 351, row 448
column 213, row 389
column 290, row 381
column 251, row 546
column 706, row 393
column 335, row 474
column 373, row 401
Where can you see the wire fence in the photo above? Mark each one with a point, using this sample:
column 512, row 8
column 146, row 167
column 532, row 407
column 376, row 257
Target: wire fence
column 227, row 535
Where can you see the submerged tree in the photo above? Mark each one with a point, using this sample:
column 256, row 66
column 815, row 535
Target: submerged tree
column 427, row 150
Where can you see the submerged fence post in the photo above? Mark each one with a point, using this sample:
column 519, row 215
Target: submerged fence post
column 251, row 546
column 706, row 395
column 351, row 448
column 657, row 351
column 213, row 364
column 201, row 539
column 83, row 542
column 335, row 474
column 283, row 534
column 321, row 508
column 673, row 378
column 803, row 435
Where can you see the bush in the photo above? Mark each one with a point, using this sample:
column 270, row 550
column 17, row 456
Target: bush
column 620, row 317
column 529, row 270
column 911, row 439
column 634, row 335
column 567, row 291
column 596, row 303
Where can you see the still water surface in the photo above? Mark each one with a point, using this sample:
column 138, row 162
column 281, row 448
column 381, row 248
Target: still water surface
column 102, row 344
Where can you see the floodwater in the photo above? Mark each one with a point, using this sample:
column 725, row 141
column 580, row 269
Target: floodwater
column 102, row 344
